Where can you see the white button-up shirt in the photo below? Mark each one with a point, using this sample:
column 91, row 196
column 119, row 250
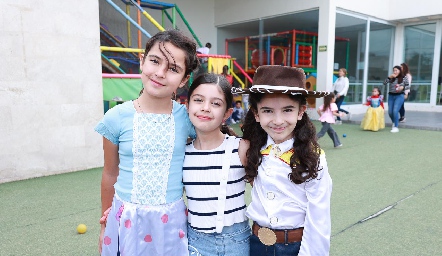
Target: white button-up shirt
column 278, row 203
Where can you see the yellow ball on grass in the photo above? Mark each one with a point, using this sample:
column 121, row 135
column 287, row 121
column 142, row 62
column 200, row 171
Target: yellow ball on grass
column 81, row 229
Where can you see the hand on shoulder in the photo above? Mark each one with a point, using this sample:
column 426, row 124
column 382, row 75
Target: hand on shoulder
column 242, row 150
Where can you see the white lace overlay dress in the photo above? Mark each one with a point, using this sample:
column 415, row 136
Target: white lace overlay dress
column 152, row 156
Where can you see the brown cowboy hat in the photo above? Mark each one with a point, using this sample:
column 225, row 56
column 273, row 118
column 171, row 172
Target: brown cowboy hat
column 280, row 79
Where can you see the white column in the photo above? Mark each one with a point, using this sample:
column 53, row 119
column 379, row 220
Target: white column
column 398, row 55
column 326, row 38
column 436, row 59
column 366, row 59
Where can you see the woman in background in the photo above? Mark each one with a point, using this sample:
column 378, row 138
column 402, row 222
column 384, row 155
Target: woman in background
column 407, row 73
column 340, row 88
column 397, row 84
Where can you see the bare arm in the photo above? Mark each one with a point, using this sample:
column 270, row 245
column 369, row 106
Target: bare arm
column 110, row 173
column 242, row 152
column 336, row 113
column 108, row 179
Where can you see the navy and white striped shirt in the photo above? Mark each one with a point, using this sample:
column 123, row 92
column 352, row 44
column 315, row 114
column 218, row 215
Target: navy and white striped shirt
column 202, row 173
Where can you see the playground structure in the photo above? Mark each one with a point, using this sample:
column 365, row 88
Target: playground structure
column 127, row 86
column 293, row 48
column 289, row 48
column 120, row 62
column 117, row 61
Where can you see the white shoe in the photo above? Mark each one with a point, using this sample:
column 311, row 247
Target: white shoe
column 394, row 129
column 348, row 116
column 338, row 146
column 338, row 122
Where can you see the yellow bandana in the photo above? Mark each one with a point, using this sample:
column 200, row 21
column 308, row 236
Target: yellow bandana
column 276, row 152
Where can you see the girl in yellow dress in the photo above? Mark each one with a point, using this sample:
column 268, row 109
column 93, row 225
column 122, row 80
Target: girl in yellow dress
column 374, row 117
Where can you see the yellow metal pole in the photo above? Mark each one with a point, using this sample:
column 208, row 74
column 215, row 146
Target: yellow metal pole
column 119, row 49
column 237, row 79
column 247, row 58
column 153, row 21
column 209, row 65
column 139, row 32
column 247, row 54
column 129, row 39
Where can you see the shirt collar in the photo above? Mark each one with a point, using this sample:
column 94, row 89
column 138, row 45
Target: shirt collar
column 284, row 146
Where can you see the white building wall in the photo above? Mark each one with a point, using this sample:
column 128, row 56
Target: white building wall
column 374, row 8
column 50, row 87
column 234, row 11
column 409, row 9
column 392, row 10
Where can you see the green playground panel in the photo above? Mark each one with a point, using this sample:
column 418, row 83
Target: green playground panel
column 124, row 88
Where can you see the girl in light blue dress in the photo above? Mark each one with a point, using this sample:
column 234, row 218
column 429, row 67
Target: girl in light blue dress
column 144, row 142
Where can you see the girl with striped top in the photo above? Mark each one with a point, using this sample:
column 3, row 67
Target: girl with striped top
column 213, row 173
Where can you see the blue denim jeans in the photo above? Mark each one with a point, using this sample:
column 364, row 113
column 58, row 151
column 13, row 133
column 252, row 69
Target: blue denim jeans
column 395, row 102
column 402, row 110
column 339, row 102
column 232, row 241
column 259, row 249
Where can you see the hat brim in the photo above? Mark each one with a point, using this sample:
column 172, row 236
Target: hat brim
column 268, row 89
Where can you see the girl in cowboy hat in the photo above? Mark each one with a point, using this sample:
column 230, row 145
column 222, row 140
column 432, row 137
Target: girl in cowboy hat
column 291, row 191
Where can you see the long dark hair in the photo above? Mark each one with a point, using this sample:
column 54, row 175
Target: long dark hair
column 405, row 69
column 226, row 88
column 327, row 101
column 305, row 160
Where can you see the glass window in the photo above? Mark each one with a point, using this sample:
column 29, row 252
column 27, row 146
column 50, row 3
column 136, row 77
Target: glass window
column 380, row 51
column 439, row 82
column 351, row 56
column 419, row 51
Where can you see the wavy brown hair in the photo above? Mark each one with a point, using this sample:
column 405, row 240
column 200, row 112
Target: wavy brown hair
column 327, row 101
column 304, row 162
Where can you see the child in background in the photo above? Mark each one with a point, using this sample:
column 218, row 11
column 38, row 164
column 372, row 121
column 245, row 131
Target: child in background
column 291, row 191
column 144, row 142
column 213, row 173
column 238, row 113
column 374, row 117
column 327, row 113
column 226, row 74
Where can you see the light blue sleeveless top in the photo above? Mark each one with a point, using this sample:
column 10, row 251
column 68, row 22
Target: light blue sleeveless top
column 151, row 149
